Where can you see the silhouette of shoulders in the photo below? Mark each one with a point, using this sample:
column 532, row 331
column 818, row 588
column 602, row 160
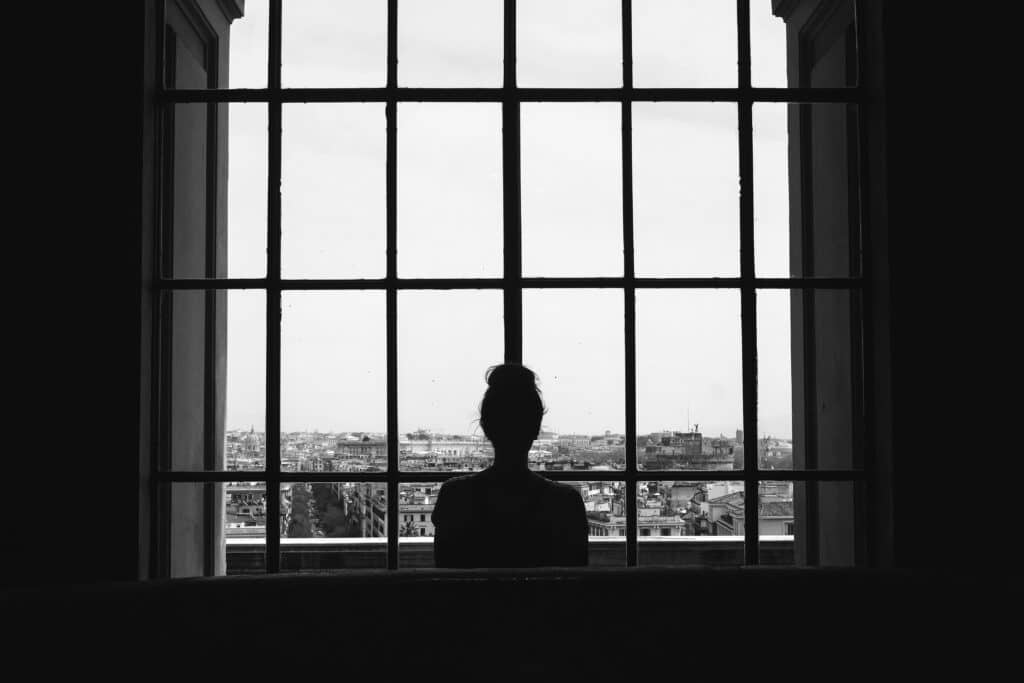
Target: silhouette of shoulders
column 502, row 519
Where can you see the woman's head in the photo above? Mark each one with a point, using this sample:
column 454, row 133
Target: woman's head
column 512, row 409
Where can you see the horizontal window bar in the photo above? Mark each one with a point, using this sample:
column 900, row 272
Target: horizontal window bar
column 740, row 475
column 576, row 475
column 527, row 282
column 803, row 95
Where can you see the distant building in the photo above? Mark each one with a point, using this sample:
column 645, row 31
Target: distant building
column 728, row 515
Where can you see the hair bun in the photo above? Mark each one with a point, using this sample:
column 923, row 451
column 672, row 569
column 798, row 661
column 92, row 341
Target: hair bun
column 510, row 375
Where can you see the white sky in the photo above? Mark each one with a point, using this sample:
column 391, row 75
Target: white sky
column 686, row 215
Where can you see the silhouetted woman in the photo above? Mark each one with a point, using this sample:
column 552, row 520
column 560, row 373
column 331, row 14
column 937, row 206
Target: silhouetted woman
column 506, row 515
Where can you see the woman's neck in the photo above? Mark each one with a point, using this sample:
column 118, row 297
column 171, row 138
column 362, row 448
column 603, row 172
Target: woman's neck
column 505, row 461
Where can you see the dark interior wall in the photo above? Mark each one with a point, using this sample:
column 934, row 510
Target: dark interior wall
column 72, row 268
column 73, row 242
column 952, row 202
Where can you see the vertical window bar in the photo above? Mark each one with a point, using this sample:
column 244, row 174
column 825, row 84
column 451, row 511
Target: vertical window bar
column 391, row 115
column 273, row 428
column 160, row 509
column 511, row 184
column 868, row 540
column 748, row 294
column 629, row 295
column 807, row 299
column 210, row 322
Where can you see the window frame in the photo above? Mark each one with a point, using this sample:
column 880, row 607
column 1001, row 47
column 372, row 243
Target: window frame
column 512, row 282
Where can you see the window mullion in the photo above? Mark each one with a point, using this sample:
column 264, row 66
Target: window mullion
column 511, row 196
column 748, row 293
column 273, row 427
column 391, row 115
column 628, row 271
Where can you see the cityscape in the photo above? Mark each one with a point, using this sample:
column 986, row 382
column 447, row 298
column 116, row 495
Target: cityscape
column 312, row 510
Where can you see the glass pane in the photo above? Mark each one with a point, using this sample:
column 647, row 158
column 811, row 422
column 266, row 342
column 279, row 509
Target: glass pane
column 572, row 340
column 333, row 381
column 216, row 528
column 450, row 43
column 572, row 189
column 204, row 235
column 446, row 342
column 605, row 503
column 689, row 44
column 247, row 190
column 775, row 379
column 330, row 44
column 809, row 523
column 247, row 47
column 219, row 336
column 776, row 526
column 689, row 523
column 245, row 526
column 689, row 379
column 569, row 43
column 333, row 205
column 415, row 526
column 830, row 245
column 326, row 526
column 767, row 46
column 686, row 189
column 771, row 190
column 824, row 242
column 809, row 373
column 449, row 190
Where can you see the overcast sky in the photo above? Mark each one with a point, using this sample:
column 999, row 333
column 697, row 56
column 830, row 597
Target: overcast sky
column 686, row 215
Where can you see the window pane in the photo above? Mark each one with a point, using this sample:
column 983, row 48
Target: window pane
column 569, row 43
column 450, row 43
column 216, row 528
column 689, row 379
column 688, row 44
column 330, row 44
column 775, row 379
column 605, row 503
column 810, row 411
column 809, row 523
column 572, row 189
column 248, row 35
column 333, row 206
column 776, row 522
column 809, row 228
column 771, row 190
column 449, row 190
column 830, row 243
column 213, row 381
column 333, row 381
column 572, row 340
column 767, row 46
column 446, row 342
column 686, row 189
column 247, row 190
column 326, row 526
column 245, row 526
column 689, row 523
column 206, row 234
column 415, row 527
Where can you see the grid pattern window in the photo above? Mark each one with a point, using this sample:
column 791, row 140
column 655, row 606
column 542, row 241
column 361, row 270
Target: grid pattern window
column 655, row 205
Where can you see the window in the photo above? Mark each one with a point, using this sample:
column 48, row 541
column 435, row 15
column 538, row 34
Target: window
column 696, row 239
